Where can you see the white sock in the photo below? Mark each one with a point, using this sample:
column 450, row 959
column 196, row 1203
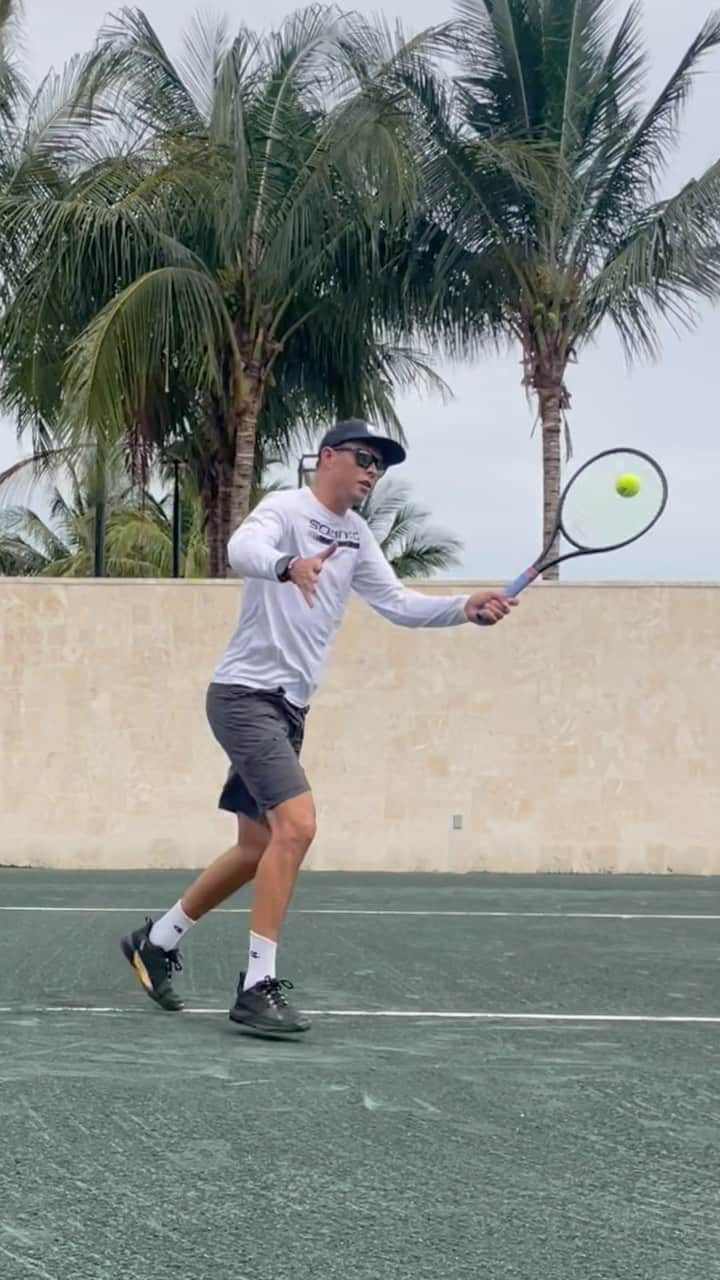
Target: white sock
column 170, row 928
column 261, row 960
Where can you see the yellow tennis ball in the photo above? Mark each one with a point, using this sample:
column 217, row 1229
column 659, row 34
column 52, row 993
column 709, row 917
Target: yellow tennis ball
column 627, row 485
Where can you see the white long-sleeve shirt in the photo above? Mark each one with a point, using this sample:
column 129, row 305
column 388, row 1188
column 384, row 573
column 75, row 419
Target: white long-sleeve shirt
column 281, row 642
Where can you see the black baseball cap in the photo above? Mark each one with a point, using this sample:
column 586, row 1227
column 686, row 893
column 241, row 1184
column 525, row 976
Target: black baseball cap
column 355, row 431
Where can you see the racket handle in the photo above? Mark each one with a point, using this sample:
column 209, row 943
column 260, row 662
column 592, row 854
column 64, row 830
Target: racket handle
column 514, row 588
column 522, row 581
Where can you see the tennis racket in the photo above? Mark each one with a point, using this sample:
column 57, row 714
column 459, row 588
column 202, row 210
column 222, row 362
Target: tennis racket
column 594, row 518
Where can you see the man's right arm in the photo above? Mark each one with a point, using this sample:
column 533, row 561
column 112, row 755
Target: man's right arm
column 257, row 548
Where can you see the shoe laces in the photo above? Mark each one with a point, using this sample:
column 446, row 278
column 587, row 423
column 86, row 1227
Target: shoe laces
column 272, row 988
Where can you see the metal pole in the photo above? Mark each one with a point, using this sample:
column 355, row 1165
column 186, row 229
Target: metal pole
column 176, row 530
column 307, row 457
column 99, row 550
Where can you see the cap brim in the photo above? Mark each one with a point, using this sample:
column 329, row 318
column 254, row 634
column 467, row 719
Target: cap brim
column 391, row 452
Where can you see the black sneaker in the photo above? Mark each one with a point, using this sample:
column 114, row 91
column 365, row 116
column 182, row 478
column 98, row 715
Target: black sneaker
column 153, row 967
column 264, row 1009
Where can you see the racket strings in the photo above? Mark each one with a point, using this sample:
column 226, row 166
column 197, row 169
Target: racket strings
column 596, row 516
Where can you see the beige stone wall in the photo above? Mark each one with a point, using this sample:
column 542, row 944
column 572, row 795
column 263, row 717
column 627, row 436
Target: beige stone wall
column 581, row 735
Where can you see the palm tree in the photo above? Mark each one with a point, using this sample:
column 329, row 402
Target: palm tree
column 97, row 499
column 578, row 233
column 66, row 544
column 13, row 89
column 413, row 547
column 219, row 269
column 138, row 526
column 44, row 141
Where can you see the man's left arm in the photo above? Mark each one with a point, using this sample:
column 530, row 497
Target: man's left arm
column 376, row 582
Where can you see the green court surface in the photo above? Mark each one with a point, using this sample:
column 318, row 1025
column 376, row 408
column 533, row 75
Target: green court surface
column 507, row 1078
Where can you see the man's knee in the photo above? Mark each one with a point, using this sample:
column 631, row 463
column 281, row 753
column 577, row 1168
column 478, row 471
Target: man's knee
column 293, row 824
column 252, row 837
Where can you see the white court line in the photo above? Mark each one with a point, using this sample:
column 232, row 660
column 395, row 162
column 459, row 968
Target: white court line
column 681, row 1019
column 363, row 911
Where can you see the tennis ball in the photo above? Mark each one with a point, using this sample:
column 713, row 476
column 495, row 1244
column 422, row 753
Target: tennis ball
column 627, row 485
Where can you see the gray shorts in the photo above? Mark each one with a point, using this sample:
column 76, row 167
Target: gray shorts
column 262, row 734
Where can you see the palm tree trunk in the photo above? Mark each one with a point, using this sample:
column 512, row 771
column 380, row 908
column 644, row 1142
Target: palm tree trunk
column 223, row 529
column 211, row 515
column 246, row 410
column 216, row 506
column 551, row 420
column 215, row 486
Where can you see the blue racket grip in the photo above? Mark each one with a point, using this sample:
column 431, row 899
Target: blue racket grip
column 514, row 588
column 519, row 584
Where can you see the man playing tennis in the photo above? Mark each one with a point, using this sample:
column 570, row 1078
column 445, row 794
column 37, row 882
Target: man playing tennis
column 300, row 554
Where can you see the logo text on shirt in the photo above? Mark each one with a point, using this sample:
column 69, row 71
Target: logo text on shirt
column 327, row 534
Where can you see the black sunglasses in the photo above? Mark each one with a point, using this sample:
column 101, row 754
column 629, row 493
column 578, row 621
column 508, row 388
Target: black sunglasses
column 365, row 459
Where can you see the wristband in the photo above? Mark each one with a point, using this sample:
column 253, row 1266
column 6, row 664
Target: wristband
column 282, row 568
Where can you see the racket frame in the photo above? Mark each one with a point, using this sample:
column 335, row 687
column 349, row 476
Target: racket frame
column 539, row 565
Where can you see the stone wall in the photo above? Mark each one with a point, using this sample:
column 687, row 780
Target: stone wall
column 581, row 735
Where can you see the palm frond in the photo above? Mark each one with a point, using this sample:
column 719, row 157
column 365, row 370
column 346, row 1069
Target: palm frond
column 575, row 38
column 14, row 90
column 646, row 151
column 114, row 363
column 403, row 530
column 206, row 45
column 63, row 107
column 233, row 90
column 135, row 537
column 20, row 478
column 79, row 564
column 670, row 258
column 26, row 525
column 498, row 42
column 618, row 83
column 421, row 558
column 148, row 86
column 17, row 558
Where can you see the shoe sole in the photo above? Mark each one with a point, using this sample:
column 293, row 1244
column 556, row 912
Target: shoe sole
column 268, row 1032
column 143, row 977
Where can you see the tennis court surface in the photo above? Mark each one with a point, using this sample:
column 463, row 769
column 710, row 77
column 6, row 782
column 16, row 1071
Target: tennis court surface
column 506, row 1078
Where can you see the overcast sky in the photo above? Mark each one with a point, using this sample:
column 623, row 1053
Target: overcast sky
column 472, row 460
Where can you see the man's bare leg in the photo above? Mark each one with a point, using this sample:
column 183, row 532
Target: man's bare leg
column 292, row 830
column 229, row 872
column 261, row 1006
column 152, row 950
